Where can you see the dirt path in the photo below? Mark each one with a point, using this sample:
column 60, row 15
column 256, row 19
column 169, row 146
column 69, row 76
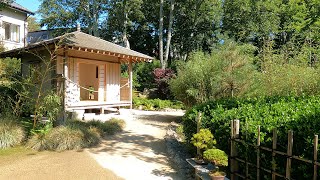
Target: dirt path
column 140, row 151
column 52, row 165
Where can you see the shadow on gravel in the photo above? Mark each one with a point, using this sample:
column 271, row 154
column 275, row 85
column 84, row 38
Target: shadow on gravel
column 142, row 146
column 138, row 145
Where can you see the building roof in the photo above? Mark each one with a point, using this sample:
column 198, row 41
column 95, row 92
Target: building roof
column 20, row 8
column 82, row 40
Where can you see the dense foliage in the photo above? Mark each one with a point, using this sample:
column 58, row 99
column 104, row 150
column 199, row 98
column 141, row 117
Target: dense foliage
column 156, row 104
column 226, row 72
column 300, row 114
column 232, row 70
column 143, row 75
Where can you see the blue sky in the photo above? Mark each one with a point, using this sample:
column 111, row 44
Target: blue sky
column 30, row 4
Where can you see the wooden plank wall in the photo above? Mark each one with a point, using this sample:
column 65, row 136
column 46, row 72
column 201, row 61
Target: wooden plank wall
column 113, row 82
column 72, row 90
column 101, row 83
column 125, row 88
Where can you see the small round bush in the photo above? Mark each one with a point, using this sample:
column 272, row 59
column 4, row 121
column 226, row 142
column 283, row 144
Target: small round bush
column 110, row 127
column 217, row 156
column 65, row 138
column 114, row 125
column 11, row 134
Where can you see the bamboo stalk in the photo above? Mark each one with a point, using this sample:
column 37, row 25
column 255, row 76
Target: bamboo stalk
column 235, row 126
column 289, row 154
column 315, row 157
column 247, row 165
column 198, row 119
column 274, row 147
column 258, row 154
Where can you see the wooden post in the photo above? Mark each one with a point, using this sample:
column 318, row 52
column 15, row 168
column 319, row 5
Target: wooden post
column 65, row 85
column 235, row 126
column 315, row 157
column 198, row 119
column 274, row 147
column 130, row 82
column 247, row 161
column 258, row 154
column 102, row 110
column 289, row 154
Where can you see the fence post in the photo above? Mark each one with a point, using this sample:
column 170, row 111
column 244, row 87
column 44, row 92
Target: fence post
column 258, row 154
column 274, row 147
column 247, row 161
column 289, row 154
column 315, row 157
column 198, row 119
column 235, row 126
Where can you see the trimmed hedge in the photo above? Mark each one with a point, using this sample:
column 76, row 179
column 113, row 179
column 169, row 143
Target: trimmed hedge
column 156, row 104
column 300, row 114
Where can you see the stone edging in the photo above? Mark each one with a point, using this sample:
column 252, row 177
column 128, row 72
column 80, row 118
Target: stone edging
column 177, row 153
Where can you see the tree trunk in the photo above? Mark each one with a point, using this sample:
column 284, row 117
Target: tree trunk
column 163, row 65
column 169, row 33
column 89, row 18
column 95, row 18
column 125, row 24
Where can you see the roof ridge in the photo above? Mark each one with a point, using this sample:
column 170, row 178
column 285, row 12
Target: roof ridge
column 106, row 41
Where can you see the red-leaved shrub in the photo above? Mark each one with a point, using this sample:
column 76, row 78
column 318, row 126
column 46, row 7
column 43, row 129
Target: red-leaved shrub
column 161, row 79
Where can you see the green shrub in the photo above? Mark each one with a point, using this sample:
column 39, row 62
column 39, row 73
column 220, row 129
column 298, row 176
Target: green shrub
column 300, row 114
column 226, row 72
column 143, row 75
column 156, row 104
column 11, row 133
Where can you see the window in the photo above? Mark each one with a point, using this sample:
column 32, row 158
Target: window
column 97, row 72
column 12, row 32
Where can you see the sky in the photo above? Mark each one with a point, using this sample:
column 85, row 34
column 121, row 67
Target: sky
column 32, row 5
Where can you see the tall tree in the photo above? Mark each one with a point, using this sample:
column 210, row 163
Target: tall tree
column 125, row 25
column 169, row 36
column 161, row 35
column 33, row 25
column 123, row 16
column 66, row 14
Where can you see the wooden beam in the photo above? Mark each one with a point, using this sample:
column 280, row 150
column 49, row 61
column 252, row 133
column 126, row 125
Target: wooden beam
column 130, row 82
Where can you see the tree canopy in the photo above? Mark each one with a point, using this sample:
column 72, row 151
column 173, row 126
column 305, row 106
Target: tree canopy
column 290, row 26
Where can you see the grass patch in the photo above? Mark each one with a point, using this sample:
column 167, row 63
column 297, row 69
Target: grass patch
column 75, row 135
column 14, row 151
column 11, row 133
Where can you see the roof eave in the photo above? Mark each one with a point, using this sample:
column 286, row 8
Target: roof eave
column 22, row 10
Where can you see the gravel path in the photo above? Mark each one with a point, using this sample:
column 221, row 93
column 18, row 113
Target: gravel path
column 140, row 151
column 53, row 165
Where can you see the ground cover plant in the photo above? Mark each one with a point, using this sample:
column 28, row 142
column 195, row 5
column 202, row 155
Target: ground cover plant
column 75, row 135
column 11, row 133
column 300, row 114
column 156, row 104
